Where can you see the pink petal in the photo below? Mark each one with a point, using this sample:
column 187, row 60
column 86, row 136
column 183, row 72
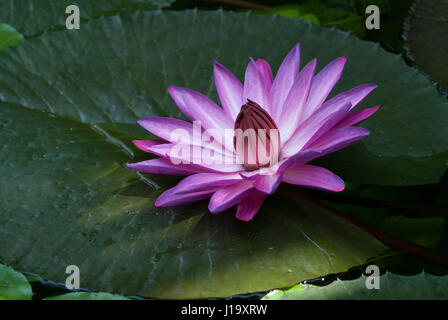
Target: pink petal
column 283, row 81
column 313, row 128
column 337, row 139
column 198, row 107
column 207, row 181
column 144, row 145
column 356, row 117
column 230, row 90
column 164, row 128
column 269, row 183
column 299, row 158
column 313, row 176
column 179, row 131
column 249, row 206
column 354, row 95
column 266, row 72
column 196, row 156
column 171, row 198
column 226, row 197
column 322, row 85
column 162, row 166
column 195, row 187
column 254, row 86
column 293, row 107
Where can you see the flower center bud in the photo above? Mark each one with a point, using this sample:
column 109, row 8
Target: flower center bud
column 257, row 139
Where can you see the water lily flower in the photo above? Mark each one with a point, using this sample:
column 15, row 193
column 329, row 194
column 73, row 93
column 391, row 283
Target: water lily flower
column 294, row 103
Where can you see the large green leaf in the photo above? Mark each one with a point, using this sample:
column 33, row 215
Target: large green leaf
column 13, row 285
column 426, row 38
column 69, row 105
column 32, row 17
column 392, row 287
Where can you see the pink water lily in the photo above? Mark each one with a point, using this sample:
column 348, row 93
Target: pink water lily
column 294, row 101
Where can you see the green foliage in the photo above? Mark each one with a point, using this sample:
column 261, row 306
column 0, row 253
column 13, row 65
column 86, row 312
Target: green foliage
column 8, row 36
column 32, row 278
column 392, row 287
column 427, row 232
column 16, row 286
column 427, row 43
column 32, row 17
column 292, row 11
column 13, row 285
column 349, row 15
column 88, row 296
column 393, row 14
column 414, row 213
column 345, row 20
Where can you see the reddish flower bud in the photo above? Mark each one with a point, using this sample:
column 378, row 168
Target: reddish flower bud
column 257, row 139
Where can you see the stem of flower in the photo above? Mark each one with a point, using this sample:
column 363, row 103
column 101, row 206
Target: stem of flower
column 386, row 238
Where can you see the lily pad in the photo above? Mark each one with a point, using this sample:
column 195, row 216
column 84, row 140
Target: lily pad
column 32, row 17
column 427, row 41
column 13, row 285
column 69, row 103
column 88, row 296
column 391, row 287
